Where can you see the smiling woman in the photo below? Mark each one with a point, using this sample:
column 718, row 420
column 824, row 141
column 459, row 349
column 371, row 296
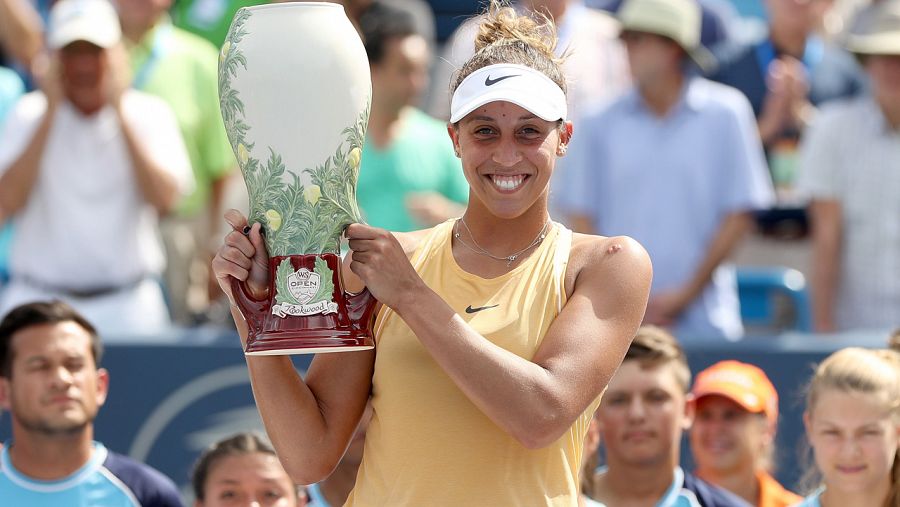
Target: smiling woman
column 497, row 331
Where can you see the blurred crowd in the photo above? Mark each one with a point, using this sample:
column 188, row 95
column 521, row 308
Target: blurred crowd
column 772, row 119
column 53, row 385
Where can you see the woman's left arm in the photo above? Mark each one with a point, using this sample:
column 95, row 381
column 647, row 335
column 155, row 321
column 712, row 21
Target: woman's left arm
column 535, row 401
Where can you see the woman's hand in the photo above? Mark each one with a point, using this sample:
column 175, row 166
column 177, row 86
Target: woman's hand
column 243, row 256
column 380, row 262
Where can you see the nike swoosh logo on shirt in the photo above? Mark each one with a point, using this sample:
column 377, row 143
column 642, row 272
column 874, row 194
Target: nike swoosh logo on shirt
column 489, row 82
column 477, row 309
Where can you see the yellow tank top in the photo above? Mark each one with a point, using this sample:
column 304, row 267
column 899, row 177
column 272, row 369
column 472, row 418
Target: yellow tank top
column 427, row 444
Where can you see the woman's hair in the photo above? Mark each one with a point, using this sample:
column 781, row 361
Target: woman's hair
column 505, row 36
column 872, row 372
column 236, row 445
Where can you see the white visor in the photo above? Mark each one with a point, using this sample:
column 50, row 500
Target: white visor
column 521, row 85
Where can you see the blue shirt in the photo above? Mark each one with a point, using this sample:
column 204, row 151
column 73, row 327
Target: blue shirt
column 316, row 498
column 831, row 72
column 812, row 500
column 107, row 479
column 676, row 495
column 669, row 182
column 687, row 490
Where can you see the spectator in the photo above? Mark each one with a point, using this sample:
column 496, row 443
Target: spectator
column 409, row 177
column 733, row 435
column 86, row 166
column 852, row 423
column 243, row 470
column 181, row 68
column 334, row 490
column 785, row 75
column 420, row 10
column 493, row 363
column 675, row 163
column 642, row 416
column 850, row 169
column 53, row 387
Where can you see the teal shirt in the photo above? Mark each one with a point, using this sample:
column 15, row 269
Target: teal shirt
column 421, row 159
column 11, row 88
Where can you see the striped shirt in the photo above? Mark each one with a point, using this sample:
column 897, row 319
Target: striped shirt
column 852, row 156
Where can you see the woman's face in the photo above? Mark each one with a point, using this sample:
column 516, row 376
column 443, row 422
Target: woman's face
column 255, row 479
column 508, row 155
column 726, row 438
column 854, row 438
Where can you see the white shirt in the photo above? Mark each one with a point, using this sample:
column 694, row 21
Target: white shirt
column 86, row 223
column 851, row 155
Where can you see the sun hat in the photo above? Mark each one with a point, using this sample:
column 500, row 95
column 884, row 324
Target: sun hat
column 679, row 20
column 880, row 31
column 744, row 384
column 94, row 21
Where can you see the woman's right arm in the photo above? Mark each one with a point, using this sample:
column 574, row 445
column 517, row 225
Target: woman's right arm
column 309, row 422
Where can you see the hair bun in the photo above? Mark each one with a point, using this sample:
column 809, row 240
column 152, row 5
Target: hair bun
column 502, row 25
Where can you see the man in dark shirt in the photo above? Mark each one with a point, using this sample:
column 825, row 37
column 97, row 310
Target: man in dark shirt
column 642, row 416
column 52, row 387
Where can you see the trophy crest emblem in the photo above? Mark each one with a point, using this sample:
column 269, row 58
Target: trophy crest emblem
column 303, row 284
column 303, row 292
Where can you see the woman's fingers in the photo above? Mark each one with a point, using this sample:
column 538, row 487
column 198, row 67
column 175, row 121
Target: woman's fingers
column 236, row 219
column 236, row 256
column 237, row 240
column 225, row 268
column 258, row 243
column 362, row 231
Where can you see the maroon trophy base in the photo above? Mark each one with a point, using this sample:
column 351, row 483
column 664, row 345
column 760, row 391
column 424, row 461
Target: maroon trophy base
column 279, row 327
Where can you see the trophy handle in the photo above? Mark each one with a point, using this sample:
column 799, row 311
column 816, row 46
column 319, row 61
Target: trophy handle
column 361, row 306
column 253, row 310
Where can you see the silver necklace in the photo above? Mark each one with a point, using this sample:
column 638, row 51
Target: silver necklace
column 508, row 258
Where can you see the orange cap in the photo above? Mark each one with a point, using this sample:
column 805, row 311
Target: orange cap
column 743, row 383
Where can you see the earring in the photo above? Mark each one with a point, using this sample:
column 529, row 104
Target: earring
column 561, row 150
column 456, row 152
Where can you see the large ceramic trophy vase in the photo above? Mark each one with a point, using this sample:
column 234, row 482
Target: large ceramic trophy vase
column 294, row 89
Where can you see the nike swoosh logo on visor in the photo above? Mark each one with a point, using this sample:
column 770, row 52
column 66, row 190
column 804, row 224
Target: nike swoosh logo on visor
column 489, row 82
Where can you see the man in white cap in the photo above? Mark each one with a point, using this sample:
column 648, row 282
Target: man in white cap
column 86, row 167
column 850, row 170
column 677, row 164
